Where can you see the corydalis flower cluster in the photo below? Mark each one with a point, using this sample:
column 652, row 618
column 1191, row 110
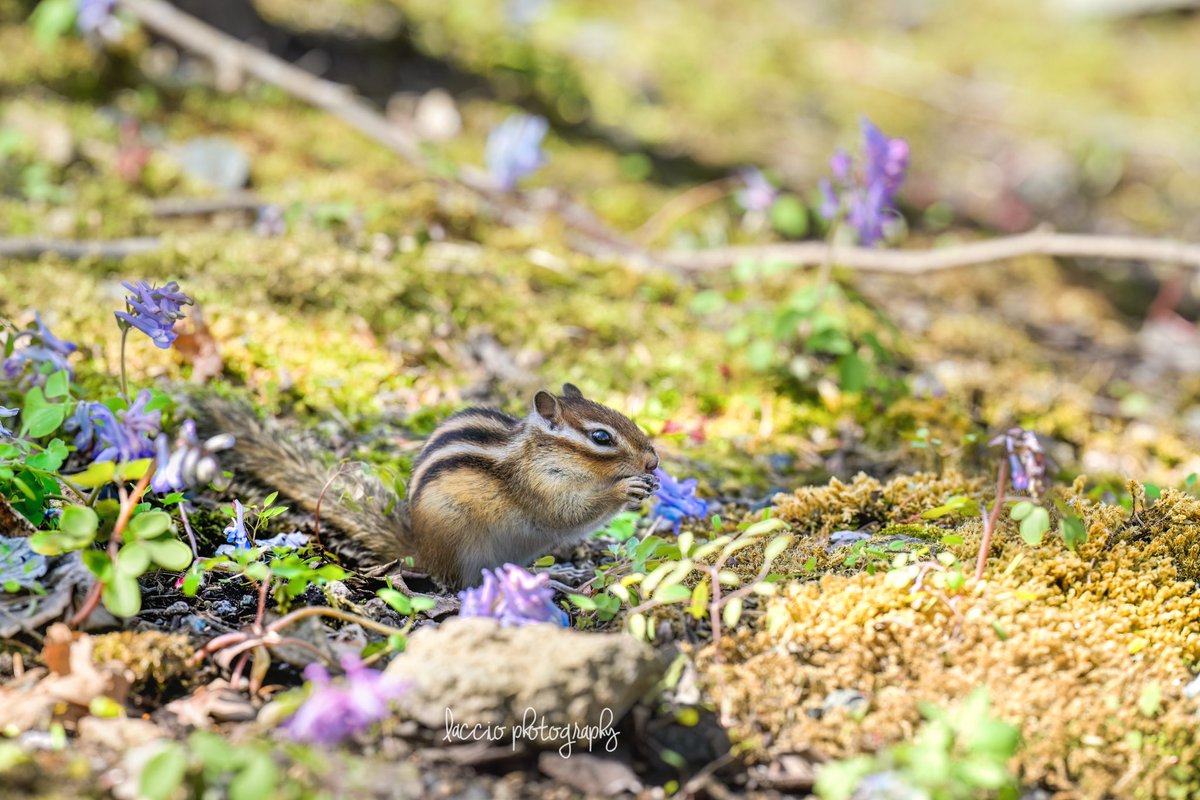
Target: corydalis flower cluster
column 154, row 310
column 116, row 436
column 866, row 195
column 677, row 500
column 191, row 463
column 514, row 149
column 41, row 347
column 236, row 533
column 1026, row 459
column 336, row 711
column 513, row 596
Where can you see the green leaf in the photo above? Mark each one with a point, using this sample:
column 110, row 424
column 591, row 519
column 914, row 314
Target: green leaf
column 51, row 458
column 1072, row 530
column 706, row 302
column 1021, row 510
column 676, row 593
column 51, row 20
column 149, row 525
column 133, row 559
column 270, row 499
column 191, row 582
column 43, row 421
column 1150, row 701
column 399, row 601
column 256, row 781
column 582, row 602
column 685, row 541
column 775, row 547
column 853, row 373
column 80, row 523
column 732, row 612
column 789, row 216
column 1035, row 525
column 544, row 561
column 169, row 554
column 122, row 596
column 98, row 563
column 57, row 385
column 95, row 476
column 637, row 626
column 422, row 603
column 699, row 605
column 163, row 774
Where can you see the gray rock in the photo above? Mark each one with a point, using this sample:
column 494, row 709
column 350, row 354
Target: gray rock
column 549, row 686
column 214, row 160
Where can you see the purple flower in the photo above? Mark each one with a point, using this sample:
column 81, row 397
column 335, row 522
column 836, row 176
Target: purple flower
column 866, row 196
column 6, row 413
column 758, row 195
column 91, row 16
column 514, row 149
column 122, row 436
column 154, row 311
column 677, row 500
column 43, row 348
column 1026, row 459
column 236, row 533
column 513, row 596
column 270, row 222
column 191, row 463
column 336, row 711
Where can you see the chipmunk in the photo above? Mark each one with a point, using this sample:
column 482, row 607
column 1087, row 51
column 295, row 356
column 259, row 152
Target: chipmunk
column 486, row 489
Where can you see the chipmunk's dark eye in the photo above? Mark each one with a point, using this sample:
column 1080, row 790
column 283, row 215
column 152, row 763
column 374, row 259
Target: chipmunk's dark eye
column 602, row 438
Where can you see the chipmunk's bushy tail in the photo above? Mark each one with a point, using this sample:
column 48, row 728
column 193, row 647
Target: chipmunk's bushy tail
column 360, row 517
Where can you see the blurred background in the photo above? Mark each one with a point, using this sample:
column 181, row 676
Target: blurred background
column 340, row 280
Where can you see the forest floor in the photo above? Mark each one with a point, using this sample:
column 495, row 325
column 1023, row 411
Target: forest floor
column 388, row 294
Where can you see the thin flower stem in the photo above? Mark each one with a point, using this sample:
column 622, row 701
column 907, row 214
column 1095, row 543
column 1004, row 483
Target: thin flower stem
column 124, row 380
column 187, row 528
column 989, row 525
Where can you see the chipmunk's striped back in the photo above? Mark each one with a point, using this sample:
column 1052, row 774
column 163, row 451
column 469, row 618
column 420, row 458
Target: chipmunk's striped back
column 476, row 439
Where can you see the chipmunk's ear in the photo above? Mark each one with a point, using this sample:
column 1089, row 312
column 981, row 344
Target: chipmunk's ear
column 571, row 390
column 546, row 404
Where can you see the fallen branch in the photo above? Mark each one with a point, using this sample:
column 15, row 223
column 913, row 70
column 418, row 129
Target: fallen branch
column 30, row 248
column 203, row 206
column 916, row 262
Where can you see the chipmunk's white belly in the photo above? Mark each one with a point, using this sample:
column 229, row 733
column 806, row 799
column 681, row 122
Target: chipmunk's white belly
column 520, row 544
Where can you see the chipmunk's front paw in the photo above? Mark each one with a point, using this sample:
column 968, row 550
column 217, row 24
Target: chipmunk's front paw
column 637, row 488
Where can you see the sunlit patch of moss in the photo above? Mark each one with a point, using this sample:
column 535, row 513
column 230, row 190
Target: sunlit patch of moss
column 1087, row 651
column 152, row 656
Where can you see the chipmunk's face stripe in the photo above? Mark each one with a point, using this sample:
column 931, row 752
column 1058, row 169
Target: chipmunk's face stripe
column 577, row 442
column 451, row 464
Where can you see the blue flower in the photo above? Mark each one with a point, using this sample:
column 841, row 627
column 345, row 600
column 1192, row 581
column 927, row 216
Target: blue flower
column 866, row 197
column 334, row 712
column 122, row 436
column 514, row 149
column 236, row 533
column 6, row 413
column 677, row 500
column 513, row 596
column 191, row 463
column 758, row 195
column 154, row 311
column 43, row 348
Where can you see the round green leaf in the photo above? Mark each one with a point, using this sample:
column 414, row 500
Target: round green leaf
column 149, row 525
column 122, row 596
column 170, row 553
column 732, row 612
column 163, row 773
column 133, row 559
column 79, row 523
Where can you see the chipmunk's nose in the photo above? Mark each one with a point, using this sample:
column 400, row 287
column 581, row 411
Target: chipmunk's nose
column 651, row 461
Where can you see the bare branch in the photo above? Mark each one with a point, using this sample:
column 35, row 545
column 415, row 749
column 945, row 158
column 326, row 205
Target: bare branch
column 915, row 262
column 31, row 248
